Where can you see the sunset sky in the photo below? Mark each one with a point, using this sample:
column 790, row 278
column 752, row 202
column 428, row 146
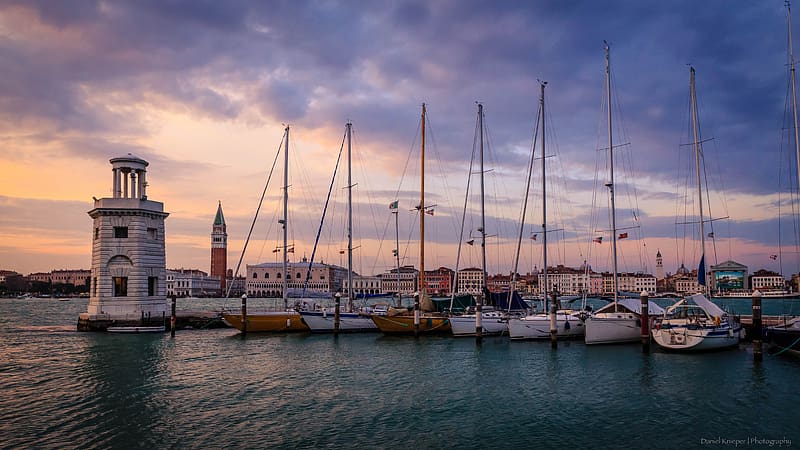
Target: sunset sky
column 202, row 90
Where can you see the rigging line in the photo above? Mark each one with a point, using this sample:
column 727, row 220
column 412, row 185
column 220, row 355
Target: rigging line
column 524, row 208
column 454, row 284
column 322, row 219
column 255, row 217
column 367, row 188
column 449, row 203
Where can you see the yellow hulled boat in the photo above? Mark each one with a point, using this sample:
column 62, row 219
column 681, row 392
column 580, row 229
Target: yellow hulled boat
column 270, row 321
column 404, row 324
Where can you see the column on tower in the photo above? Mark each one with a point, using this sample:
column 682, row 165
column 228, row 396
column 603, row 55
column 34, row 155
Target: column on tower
column 142, row 185
column 133, row 184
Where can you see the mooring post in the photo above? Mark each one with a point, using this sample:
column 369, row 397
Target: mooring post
column 416, row 314
column 244, row 314
column 645, row 318
column 757, row 356
column 336, row 312
column 553, row 325
column 173, row 318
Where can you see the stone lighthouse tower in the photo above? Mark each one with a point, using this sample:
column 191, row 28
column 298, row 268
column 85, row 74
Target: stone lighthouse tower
column 128, row 285
column 219, row 248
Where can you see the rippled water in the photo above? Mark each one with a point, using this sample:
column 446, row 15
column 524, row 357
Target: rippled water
column 213, row 389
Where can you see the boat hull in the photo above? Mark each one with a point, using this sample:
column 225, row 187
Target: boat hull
column 492, row 323
column 265, row 322
column 537, row 326
column 784, row 339
column 613, row 328
column 404, row 324
column 323, row 322
column 687, row 339
column 135, row 330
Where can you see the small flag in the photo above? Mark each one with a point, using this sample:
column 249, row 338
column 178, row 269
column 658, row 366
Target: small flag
column 429, row 211
column 773, row 257
column 276, row 250
column 471, row 242
column 598, row 239
column 623, row 235
column 341, row 252
column 533, row 236
column 393, row 205
column 711, row 235
column 291, row 250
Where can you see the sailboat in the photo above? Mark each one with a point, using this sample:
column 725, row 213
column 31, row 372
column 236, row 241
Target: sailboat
column 285, row 320
column 350, row 320
column 491, row 321
column 695, row 323
column 569, row 323
column 620, row 320
column 423, row 320
column 786, row 337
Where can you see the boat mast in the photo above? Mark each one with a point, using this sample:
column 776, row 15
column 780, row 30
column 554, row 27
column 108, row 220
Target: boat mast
column 697, row 150
column 349, row 221
column 610, row 183
column 396, row 213
column 794, row 92
column 285, row 216
column 543, row 285
column 481, row 299
column 422, row 213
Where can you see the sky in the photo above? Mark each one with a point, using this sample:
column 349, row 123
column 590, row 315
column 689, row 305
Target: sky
column 203, row 90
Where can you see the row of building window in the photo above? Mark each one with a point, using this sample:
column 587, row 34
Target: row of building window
column 298, row 276
column 122, row 233
column 121, row 286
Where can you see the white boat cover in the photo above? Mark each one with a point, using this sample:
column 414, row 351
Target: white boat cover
column 635, row 305
column 708, row 306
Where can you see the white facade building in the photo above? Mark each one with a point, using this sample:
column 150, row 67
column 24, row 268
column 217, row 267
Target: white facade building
column 470, row 281
column 191, row 283
column 405, row 282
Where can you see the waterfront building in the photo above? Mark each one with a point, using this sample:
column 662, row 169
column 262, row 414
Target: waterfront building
column 128, row 275
column 629, row 282
column 363, row 285
column 79, row 277
column 728, row 276
column 192, row 283
column 405, row 282
column 439, row 281
column 266, row 279
column 498, row 283
column 766, row 280
column 470, row 281
column 237, row 286
column 219, row 248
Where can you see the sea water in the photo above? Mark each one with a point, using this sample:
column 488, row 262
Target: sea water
column 213, row 389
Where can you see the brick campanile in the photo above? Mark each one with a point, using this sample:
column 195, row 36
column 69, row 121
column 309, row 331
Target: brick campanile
column 219, row 248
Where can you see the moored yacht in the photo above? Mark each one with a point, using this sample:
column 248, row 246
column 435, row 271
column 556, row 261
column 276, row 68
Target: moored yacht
column 696, row 324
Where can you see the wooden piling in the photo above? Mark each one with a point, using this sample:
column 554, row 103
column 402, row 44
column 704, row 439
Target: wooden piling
column 336, row 314
column 244, row 314
column 553, row 325
column 173, row 319
column 645, row 318
column 757, row 332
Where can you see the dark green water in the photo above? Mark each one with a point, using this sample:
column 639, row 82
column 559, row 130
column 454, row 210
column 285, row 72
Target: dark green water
column 212, row 389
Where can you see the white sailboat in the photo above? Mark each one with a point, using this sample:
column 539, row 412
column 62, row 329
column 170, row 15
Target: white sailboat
column 489, row 322
column 695, row 323
column 569, row 323
column 350, row 320
column 617, row 322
